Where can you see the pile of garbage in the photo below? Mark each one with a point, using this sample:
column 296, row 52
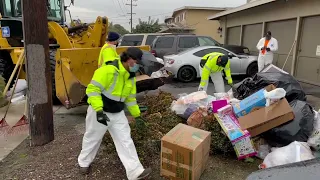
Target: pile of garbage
column 265, row 117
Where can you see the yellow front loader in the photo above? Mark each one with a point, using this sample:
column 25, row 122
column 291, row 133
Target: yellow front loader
column 74, row 50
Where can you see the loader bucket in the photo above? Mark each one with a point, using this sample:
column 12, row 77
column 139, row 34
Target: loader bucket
column 73, row 72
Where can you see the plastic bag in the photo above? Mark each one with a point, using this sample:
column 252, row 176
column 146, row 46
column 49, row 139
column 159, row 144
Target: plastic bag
column 274, row 96
column 300, row 129
column 314, row 140
column 192, row 98
column 197, row 117
column 249, row 86
column 294, row 152
column 227, row 96
column 178, row 108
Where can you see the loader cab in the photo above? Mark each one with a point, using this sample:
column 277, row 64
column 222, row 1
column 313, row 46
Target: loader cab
column 11, row 19
column 13, row 9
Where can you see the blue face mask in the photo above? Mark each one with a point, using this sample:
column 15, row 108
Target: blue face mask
column 135, row 68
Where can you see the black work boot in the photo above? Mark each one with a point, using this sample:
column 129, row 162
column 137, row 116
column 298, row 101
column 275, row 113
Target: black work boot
column 145, row 173
column 85, row 170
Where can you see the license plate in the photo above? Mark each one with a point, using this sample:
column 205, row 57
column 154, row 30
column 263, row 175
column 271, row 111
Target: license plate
column 5, row 31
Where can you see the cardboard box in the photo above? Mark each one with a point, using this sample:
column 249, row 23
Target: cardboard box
column 184, row 153
column 264, row 119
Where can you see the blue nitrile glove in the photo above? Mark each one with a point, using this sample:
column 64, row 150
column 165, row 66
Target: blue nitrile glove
column 102, row 118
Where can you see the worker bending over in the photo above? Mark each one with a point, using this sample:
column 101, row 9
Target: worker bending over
column 266, row 46
column 211, row 65
column 109, row 51
column 113, row 87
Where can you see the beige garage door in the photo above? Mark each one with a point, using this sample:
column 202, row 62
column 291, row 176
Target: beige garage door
column 233, row 35
column 284, row 32
column 251, row 37
column 308, row 64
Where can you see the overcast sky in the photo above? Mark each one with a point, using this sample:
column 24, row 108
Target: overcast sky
column 116, row 10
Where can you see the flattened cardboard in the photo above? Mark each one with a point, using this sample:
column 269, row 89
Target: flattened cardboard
column 184, row 153
column 264, row 119
column 142, row 77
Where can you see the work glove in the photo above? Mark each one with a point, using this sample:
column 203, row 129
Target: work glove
column 230, row 82
column 140, row 125
column 268, row 49
column 102, row 118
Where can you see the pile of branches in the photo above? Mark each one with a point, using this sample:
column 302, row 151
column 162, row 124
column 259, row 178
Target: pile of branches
column 160, row 120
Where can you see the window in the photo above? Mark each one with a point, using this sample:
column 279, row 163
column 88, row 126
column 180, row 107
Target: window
column 7, row 11
column 221, row 51
column 54, row 9
column 164, row 42
column 204, row 52
column 188, row 42
column 132, row 40
column 150, row 39
column 207, row 41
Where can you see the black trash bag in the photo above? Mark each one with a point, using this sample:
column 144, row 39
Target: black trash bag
column 300, row 129
column 292, row 87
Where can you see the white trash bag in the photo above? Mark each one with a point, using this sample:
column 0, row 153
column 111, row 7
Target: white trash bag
column 314, row 139
column 274, row 96
column 294, row 152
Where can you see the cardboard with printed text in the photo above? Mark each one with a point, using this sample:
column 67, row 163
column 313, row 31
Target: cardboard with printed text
column 184, row 153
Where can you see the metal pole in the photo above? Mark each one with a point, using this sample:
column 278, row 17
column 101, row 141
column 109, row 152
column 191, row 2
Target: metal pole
column 36, row 43
column 131, row 17
column 294, row 42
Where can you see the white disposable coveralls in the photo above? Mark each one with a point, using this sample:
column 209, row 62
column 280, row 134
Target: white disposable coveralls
column 217, row 80
column 267, row 58
column 119, row 130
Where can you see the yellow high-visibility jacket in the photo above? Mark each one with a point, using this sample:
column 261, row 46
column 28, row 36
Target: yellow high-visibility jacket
column 212, row 67
column 111, row 88
column 107, row 53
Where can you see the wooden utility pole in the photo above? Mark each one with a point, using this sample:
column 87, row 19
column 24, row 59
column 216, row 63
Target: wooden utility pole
column 36, row 43
column 131, row 12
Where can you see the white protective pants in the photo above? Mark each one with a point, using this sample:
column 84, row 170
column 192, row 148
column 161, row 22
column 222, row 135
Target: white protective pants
column 217, row 80
column 121, row 134
column 264, row 60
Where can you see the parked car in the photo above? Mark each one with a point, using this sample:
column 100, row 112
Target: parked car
column 138, row 39
column 185, row 65
column 174, row 43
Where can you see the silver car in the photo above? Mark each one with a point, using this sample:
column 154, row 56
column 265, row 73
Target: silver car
column 185, row 65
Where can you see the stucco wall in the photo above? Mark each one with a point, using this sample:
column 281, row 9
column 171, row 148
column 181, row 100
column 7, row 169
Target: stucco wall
column 197, row 19
column 275, row 11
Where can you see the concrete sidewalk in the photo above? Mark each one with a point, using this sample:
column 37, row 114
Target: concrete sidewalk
column 16, row 112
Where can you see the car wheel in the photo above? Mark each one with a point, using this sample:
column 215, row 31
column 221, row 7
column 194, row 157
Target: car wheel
column 187, row 74
column 252, row 69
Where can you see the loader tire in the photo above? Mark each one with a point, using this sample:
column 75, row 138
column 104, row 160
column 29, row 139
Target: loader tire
column 52, row 53
column 6, row 68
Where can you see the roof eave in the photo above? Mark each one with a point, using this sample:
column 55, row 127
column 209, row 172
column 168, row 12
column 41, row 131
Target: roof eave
column 240, row 8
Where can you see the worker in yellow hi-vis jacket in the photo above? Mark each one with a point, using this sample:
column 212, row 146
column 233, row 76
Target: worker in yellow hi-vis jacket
column 113, row 87
column 109, row 52
column 212, row 65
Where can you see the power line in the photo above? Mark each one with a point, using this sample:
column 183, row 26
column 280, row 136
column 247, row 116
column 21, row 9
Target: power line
column 120, row 7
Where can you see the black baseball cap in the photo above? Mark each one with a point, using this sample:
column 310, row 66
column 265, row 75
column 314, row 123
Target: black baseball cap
column 135, row 53
column 224, row 61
